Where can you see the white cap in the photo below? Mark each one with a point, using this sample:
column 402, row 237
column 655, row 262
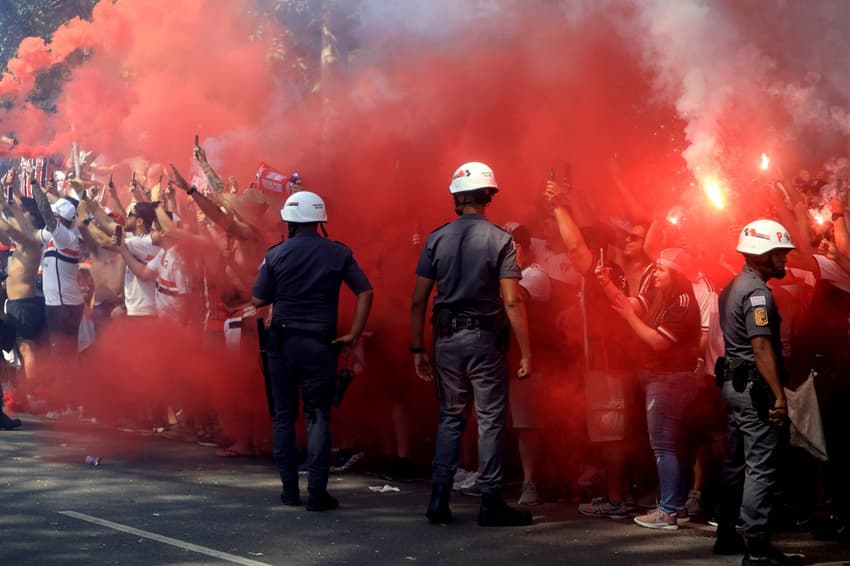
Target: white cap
column 762, row 236
column 65, row 209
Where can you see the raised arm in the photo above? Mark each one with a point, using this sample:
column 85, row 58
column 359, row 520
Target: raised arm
column 209, row 208
column 215, row 181
column 43, row 207
column 580, row 254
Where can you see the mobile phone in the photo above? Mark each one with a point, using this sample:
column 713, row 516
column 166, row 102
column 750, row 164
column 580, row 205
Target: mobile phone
column 551, row 173
column 119, row 233
column 196, row 139
column 601, row 257
column 10, row 194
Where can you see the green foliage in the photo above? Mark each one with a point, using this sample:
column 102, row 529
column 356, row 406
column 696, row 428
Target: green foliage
column 25, row 18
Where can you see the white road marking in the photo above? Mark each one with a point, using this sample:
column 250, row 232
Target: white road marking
column 163, row 539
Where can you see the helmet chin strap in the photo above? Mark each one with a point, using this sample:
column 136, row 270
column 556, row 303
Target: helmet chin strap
column 322, row 228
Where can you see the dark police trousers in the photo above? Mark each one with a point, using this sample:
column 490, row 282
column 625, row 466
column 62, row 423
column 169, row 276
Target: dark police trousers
column 750, row 466
column 469, row 365
column 306, row 365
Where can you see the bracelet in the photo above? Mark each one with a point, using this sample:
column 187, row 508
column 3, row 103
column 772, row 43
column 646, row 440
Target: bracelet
column 837, row 216
column 417, row 350
column 191, row 190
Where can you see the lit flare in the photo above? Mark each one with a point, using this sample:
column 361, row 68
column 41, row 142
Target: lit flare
column 712, row 190
column 765, row 162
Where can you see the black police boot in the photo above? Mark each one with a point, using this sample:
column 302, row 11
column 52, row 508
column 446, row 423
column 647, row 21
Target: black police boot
column 322, row 502
column 7, row 422
column 495, row 512
column 765, row 554
column 290, row 495
column 729, row 542
column 438, row 506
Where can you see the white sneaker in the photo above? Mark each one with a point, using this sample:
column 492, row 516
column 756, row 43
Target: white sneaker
column 461, row 476
column 602, row 507
column 658, row 519
column 469, row 486
column 529, row 495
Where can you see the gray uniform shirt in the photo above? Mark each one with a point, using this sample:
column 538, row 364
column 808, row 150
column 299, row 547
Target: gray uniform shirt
column 747, row 310
column 467, row 258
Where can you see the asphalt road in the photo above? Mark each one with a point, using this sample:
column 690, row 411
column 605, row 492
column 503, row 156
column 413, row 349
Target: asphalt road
column 158, row 501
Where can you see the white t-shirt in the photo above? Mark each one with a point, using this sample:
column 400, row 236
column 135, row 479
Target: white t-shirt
column 140, row 296
column 557, row 265
column 536, row 282
column 59, row 266
column 832, row 273
column 171, row 282
column 709, row 321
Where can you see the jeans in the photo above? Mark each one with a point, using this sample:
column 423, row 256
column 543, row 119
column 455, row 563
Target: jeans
column 304, row 365
column 470, row 366
column 668, row 395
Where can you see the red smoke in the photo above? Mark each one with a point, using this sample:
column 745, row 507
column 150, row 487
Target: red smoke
column 526, row 92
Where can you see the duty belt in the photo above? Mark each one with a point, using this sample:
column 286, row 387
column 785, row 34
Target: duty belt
column 469, row 323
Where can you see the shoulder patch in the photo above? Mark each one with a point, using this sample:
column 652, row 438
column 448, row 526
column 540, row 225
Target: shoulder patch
column 760, row 315
column 758, row 301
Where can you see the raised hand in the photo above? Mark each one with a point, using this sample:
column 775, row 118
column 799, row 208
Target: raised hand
column 178, row 178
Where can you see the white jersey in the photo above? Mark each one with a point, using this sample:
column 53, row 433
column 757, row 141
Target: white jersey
column 709, row 311
column 536, row 282
column 171, row 282
column 556, row 265
column 59, row 266
column 140, row 296
column 832, row 273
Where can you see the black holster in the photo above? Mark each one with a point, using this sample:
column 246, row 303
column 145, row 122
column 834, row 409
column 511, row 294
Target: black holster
column 741, row 374
column 442, row 322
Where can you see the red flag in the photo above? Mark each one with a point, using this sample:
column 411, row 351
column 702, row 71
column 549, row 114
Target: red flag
column 271, row 180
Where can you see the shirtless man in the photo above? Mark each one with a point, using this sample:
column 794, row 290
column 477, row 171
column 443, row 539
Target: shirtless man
column 25, row 308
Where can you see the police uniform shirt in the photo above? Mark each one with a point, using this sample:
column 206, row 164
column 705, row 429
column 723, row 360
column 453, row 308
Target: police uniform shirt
column 467, row 258
column 302, row 277
column 747, row 310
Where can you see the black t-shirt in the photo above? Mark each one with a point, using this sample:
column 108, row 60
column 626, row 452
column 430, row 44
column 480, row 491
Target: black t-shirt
column 677, row 319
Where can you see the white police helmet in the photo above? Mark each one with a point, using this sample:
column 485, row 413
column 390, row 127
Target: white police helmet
column 304, row 207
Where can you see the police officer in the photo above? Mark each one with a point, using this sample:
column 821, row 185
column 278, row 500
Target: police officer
column 755, row 400
column 473, row 264
column 302, row 277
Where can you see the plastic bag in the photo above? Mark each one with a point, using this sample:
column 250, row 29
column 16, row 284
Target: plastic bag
column 804, row 414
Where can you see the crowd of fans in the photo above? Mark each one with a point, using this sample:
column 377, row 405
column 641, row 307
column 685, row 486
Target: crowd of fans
column 80, row 257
